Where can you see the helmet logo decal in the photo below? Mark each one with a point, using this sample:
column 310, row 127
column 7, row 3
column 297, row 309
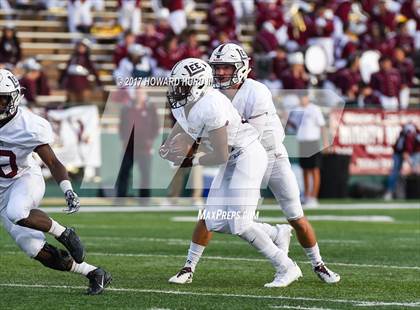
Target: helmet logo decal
column 242, row 54
column 13, row 80
column 194, row 68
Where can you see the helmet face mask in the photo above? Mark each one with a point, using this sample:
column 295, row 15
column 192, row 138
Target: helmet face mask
column 190, row 79
column 234, row 55
column 10, row 94
column 178, row 95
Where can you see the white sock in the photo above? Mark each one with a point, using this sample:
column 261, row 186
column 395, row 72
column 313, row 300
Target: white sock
column 270, row 230
column 56, row 229
column 314, row 255
column 83, row 268
column 194, row 254
column 260, row 240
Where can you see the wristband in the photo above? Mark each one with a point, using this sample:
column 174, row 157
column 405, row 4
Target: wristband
column 65, row 186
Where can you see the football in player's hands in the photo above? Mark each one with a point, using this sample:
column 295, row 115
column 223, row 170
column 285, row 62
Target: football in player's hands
column 181, row 144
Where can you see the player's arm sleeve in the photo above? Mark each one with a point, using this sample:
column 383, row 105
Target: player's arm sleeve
column 259, row 122
column 215, row 118
column 42, row 134
column 257, row 112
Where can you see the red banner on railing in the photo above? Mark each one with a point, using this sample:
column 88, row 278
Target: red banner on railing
column 369, row 135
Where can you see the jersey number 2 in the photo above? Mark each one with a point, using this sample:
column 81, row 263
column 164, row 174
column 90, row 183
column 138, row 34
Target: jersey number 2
column 12, row 164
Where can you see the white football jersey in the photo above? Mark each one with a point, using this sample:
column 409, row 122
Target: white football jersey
column 214, row 110
column 18, row 138
column 254, row 99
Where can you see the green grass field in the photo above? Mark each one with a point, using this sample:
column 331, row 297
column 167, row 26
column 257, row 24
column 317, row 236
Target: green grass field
column 379, row 263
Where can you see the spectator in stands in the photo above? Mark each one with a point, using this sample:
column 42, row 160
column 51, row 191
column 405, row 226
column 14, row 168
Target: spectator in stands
column 321, row 30
column 346, row 45
column 280, row 63
column 298, row 30
column 150, row 37
column 10, row 51
column 266, row 40
column 269, row 10
column 130, row 15
column 80, row 15
column 137, row 64
column 384, row 17
column 221, row 17
column 221, row 37
column 375, row 39
column 177, row 16
column 404, row 149
column 191, row 47
column 310, row 124
column 243, row 9
column 34, row 82
column 404, row 40
column 386, row 84
column 405, row 67
column 75, row 77
column 162, row 23
column 348, row 80
column 139, row 127
column 168, row 55
column 121, row 50
column 295, row 77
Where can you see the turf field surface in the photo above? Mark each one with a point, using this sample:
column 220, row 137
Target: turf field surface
column 376, row 251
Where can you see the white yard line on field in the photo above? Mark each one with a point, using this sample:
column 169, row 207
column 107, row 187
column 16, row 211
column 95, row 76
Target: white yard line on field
column 382, row 304
column 218, row 295
column 117, row 208
column 244, row 259
column 312, row 218
column 187, row 241
column 299, row 308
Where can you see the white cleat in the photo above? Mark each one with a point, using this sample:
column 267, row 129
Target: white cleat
column 184, row 276
column 326, row 274
column 284, row 232
column 283, row 279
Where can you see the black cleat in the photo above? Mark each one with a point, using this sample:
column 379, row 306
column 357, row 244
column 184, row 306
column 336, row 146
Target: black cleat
column 73, row 244
column 98, row 280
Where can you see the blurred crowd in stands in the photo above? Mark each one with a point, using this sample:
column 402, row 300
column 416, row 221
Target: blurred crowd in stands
column 283, row 32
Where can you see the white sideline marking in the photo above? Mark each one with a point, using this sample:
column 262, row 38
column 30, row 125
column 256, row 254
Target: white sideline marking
column 334, row 218
column 187, row 241
column 117, row 208
column 134, row 290
column 381, row 304
column 299, row 307
column 243, row 259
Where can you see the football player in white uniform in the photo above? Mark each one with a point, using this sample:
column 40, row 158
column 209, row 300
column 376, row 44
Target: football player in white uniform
column 254, row 102
column 205, row 113
column 22, row 188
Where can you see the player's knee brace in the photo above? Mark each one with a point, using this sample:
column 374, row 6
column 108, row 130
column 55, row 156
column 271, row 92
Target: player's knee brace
column 54, row 258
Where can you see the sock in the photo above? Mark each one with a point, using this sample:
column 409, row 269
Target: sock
column 314, row 255
column 194, row 254
column 271, row 231
column 83, row 268
column 56, row 229
column 260, row 240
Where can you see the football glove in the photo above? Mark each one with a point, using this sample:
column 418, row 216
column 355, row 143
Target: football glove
column 73, row 202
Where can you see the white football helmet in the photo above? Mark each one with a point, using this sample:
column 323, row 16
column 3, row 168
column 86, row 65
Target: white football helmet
column 190, row 79
column 10, row 94
column 230, row 54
